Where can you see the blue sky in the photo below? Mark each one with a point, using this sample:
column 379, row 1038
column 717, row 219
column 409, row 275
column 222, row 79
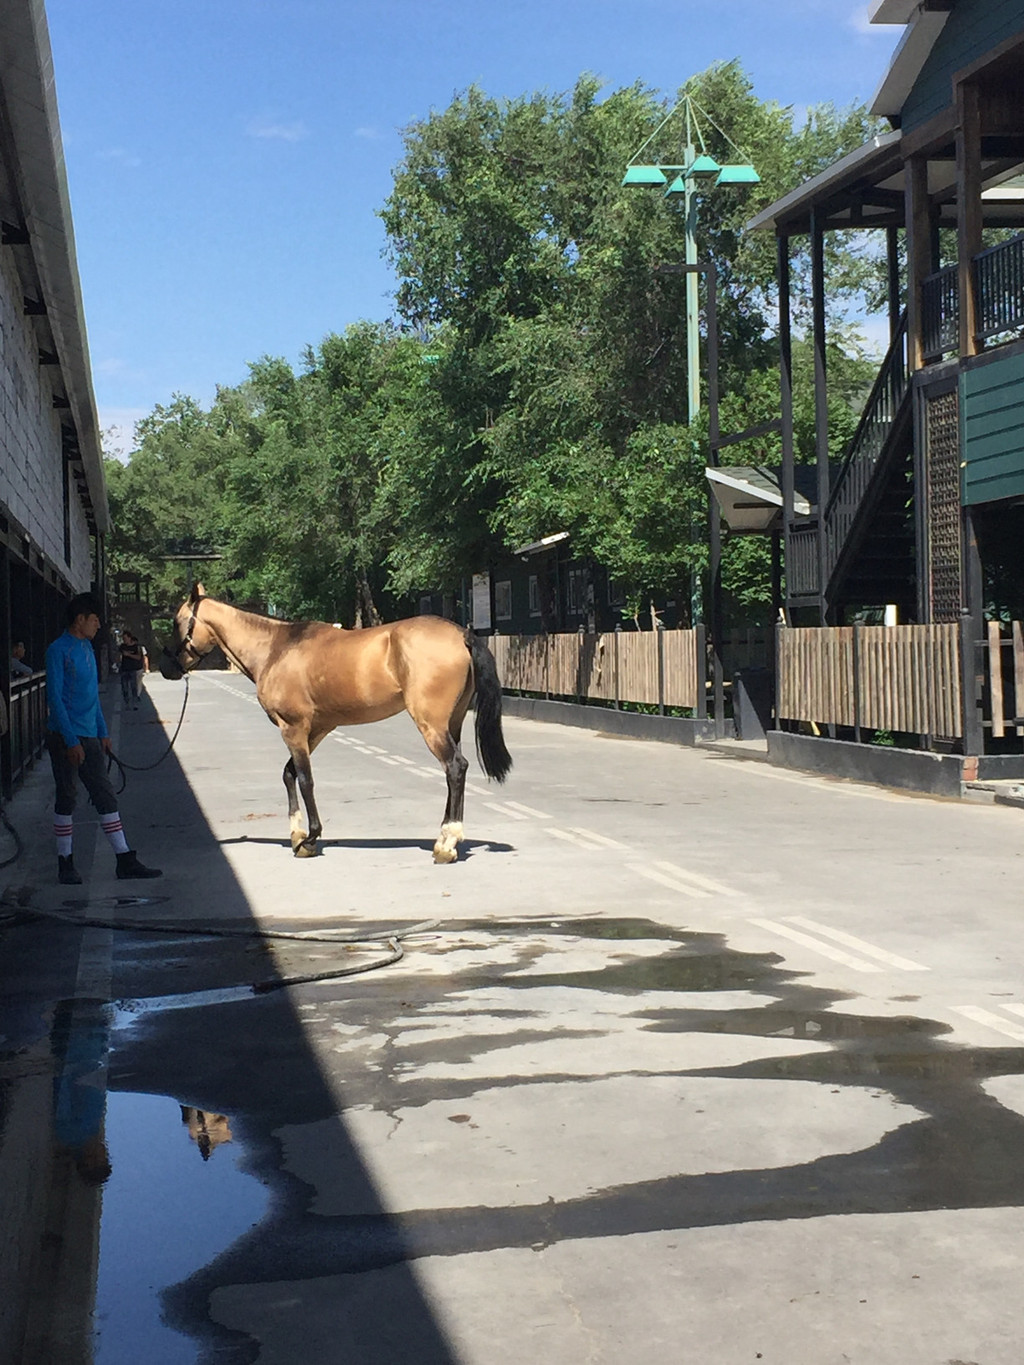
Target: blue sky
column 226, row 157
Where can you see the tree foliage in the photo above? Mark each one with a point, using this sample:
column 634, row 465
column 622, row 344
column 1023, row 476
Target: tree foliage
column 535, row 379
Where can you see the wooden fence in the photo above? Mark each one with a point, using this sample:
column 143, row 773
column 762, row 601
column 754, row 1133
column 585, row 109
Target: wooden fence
column 898, row 678
column 1005, row 678
column 660, row 668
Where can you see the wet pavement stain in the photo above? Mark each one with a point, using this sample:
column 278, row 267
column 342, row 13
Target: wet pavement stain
column 221, row 1053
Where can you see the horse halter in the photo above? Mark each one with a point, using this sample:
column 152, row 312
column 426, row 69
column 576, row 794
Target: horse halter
column 186, row 642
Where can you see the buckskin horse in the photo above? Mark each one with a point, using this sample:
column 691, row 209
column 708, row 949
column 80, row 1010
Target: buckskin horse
column 312, row 677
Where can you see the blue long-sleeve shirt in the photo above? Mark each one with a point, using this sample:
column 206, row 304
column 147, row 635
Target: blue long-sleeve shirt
column 72, row 689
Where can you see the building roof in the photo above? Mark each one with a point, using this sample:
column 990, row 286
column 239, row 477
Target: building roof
column 862, row 166
column 923, row 27
column 37, row 194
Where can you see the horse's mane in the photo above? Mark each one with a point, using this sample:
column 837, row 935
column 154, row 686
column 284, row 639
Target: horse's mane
column 262, row 615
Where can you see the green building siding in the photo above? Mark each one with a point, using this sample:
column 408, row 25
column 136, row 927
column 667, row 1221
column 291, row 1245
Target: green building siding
column 992, row 417
column 973, row 28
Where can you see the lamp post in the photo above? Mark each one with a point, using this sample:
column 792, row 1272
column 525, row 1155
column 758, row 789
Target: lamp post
column 697, row 171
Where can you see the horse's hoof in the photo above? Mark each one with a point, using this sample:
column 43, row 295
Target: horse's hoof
column 306, row 850
column 446, row 855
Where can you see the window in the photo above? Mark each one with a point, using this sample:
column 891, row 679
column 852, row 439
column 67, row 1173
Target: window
column 616, row 594
column 534, row 595
column 577, row 592
column 426, row 603
column 503, row 600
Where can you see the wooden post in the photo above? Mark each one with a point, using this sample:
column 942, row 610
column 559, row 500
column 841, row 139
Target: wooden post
column 701, row 646
column 660, row 632
column 786, row 402
column 856, row 683
column 968, row 210
column 893, row 279
column 820, row 400
column 618, row 693
column 918, row 232
column 974, row 734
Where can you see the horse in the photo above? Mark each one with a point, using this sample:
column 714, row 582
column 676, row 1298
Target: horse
column 312, row 677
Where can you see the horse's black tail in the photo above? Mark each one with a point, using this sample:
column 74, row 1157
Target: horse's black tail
column 495, row 759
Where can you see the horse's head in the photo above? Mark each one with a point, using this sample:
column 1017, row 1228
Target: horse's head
column 191, row 639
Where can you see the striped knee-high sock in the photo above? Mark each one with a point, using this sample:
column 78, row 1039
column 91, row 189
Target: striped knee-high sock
column 111, row 826
column 62, row 830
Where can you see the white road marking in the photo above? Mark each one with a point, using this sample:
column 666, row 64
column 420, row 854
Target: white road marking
column 572, row 838
column 504, row 810
column 836, row 954
column 426, row 772
column 410, row 762
column 527, row 810
column 992, row 1021
column 601, row 838
column 383, row 758
column 642, row 870
column 477, row 791
column 705, row 883
column 375, row 749
column 857, row 944
column 1014, row 1009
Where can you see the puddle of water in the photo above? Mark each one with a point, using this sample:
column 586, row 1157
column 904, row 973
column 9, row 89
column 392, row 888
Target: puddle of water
column 175, row 1198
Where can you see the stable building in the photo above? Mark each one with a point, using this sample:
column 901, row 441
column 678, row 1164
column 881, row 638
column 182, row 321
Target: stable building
column 53, row 505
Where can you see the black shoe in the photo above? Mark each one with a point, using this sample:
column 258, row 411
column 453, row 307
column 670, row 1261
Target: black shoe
column 129, row 867
column 67, row 873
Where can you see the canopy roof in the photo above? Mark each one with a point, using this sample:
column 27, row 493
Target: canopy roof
column 750, row 496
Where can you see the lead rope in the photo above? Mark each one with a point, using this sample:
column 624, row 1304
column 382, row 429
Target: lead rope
column 125, row 768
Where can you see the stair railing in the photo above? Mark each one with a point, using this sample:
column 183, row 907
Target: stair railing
column 866, row 445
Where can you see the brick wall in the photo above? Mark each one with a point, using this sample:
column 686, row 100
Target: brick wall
column 32, row 471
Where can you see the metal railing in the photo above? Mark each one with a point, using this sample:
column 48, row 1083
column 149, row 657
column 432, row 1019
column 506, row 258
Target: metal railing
column 867, row 444
column 999, row 289
column 26, row 737
column 802, row 560
column 940, row 314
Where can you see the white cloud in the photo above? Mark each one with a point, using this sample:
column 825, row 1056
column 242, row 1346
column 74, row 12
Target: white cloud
column 371, row 134
column 117, row 429
column 276, row 131
column 121, row 155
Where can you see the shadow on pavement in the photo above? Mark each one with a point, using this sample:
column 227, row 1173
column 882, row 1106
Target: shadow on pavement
column 72, row 1067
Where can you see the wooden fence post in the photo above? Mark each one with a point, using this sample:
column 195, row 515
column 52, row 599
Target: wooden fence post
column 618, row 635
column 779, row 628
column 856, row 683
column 701, row 664
column 579, row 665
column 974, row 734
column 661, row 668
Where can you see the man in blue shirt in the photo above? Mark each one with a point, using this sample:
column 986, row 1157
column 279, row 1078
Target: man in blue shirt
column 77, row 741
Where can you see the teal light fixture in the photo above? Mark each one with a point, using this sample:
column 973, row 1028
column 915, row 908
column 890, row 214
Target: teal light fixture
column 704, row 168
column 646, row 176
column 678, row 186
column 738, row 175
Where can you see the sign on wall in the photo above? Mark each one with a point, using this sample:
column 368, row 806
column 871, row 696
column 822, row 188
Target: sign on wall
column 481, row 601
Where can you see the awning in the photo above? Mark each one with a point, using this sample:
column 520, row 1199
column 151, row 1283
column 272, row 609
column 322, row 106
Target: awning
column 750, row 496
column 537, row 547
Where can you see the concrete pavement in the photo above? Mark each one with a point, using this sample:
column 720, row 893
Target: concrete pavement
column 703, row 1061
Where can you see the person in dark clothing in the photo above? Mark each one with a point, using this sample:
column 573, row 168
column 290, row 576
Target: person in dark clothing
column 78, row 742
column 132, row 664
